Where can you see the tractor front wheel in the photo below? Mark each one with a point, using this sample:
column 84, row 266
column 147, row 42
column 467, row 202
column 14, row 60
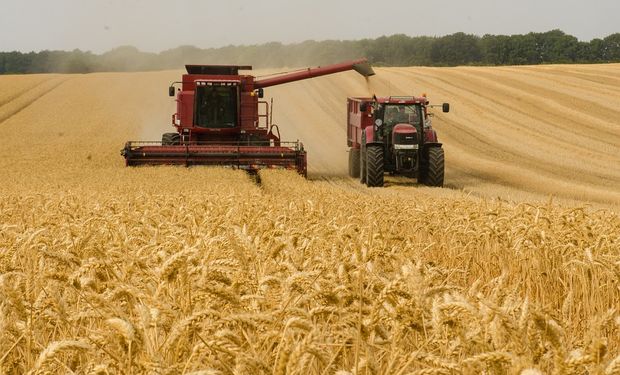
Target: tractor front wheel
column 374, row 166
column 354, row 162
column 432, row 171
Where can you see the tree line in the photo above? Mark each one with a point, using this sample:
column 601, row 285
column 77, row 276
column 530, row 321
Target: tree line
column 552, row 47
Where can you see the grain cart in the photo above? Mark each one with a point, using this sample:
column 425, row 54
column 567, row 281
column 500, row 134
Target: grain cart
column 221, row 121
column 394, row 135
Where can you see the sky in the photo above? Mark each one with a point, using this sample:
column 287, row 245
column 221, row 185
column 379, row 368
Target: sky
column 157, row 25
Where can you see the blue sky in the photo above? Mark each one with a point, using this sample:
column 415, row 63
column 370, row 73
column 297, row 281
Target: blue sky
column 156, row 25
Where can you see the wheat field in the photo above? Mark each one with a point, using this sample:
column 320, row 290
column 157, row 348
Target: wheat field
column 513, row 268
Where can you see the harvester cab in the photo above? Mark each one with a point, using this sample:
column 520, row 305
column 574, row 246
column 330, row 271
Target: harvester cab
column 220, row 120
column 216, row 105
column 395, row 135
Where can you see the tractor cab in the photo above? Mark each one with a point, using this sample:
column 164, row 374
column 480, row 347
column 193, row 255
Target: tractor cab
column 388, row 116
column 398, row 123
column 392, row 114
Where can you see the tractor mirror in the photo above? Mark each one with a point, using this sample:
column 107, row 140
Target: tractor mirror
column 261, row 93
column 445, row 107
column 171, row 91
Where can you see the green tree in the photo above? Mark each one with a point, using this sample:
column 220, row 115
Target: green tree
column 496, row 49
column 553, row 46
column 611, row 48
column 523, row 50
column 456, row 49
column 556, row 47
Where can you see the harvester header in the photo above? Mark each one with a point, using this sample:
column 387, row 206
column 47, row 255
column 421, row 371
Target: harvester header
column 220, row 120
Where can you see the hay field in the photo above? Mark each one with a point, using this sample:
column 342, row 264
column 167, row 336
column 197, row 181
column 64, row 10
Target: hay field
column 105, row 269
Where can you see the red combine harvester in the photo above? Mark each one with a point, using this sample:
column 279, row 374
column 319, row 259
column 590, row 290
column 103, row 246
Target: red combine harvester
column 221, row 121
column 394, row 135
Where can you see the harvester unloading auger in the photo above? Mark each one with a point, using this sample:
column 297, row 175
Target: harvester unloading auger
column 221, row 121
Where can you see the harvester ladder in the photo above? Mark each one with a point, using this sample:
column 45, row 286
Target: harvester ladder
column 264, row 115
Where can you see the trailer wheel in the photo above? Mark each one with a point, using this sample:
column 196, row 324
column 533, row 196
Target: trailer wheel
column 432, row 171
column 363, row 165
column 170, row 139
column 374, row 166
column 354, row 162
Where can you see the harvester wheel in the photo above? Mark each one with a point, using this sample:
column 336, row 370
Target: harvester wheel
column 354, row 162
column 170, row 139
column 363, row 165
column 432, row 171
column 374, row 166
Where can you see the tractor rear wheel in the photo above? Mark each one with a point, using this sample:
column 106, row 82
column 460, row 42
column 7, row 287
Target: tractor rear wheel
column 374, row 166
column 432, row 171
column 363, row 165
column 170, row 139
column 354, row 162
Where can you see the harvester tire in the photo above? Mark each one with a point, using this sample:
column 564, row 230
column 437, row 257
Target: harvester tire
column 433, row 168
column 363, row 165
column 354, row 162
column 374, row 166
column 170, row 139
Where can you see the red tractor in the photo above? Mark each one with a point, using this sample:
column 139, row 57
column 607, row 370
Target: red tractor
column 394, row 135
column 221, row 121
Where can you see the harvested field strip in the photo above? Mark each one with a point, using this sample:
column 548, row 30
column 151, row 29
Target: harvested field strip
column 483, row 147
column 506, row 108
column 500, row 173
column 576, row 112
column 598, row 85
column 28, row 97
column 15, row 85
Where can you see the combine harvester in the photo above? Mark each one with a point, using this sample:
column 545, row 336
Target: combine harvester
column 393, row 134
column 221, row 121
